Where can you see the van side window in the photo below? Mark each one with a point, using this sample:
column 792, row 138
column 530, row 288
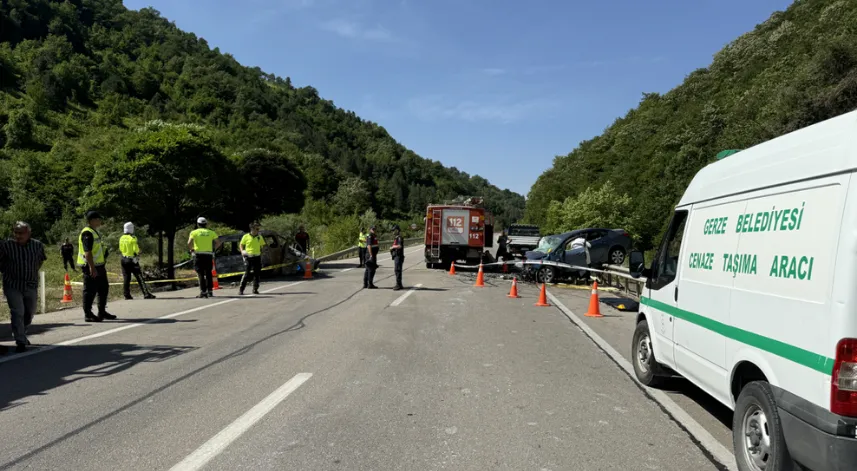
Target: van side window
column 666, row 264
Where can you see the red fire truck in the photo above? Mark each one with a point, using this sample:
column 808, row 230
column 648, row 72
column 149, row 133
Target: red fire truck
column 457, row 232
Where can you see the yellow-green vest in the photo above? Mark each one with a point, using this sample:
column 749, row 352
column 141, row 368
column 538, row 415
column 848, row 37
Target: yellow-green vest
column 97, row 248
column 128, row 246
column 203, row 240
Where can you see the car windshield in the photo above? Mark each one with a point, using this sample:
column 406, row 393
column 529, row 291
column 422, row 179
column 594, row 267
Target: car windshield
column 549, row 243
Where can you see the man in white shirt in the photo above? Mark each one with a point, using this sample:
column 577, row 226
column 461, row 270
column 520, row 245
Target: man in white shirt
column 582, row 243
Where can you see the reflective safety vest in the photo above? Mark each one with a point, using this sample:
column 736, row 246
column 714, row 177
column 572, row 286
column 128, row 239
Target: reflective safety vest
column 253, row 244
column 97, row 248
column 128, row 246
column 361, row 241
column 203, row 240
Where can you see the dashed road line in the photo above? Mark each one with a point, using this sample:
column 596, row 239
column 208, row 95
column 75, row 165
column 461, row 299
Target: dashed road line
column 403, row 297
column 216, row 444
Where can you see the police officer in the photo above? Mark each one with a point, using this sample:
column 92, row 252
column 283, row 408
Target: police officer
column 361, row 248
column 371, row 260
column 131, row 263
column 202, row 244
column 397, row 251
column 91, row 258
column 251, row 248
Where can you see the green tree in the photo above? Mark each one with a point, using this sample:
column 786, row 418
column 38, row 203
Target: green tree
column 164, row 178
column 270, row 183
column 602, row 207
column 19, row 129
column 352, row 197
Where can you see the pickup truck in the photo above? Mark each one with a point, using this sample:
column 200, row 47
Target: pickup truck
column 522, row 238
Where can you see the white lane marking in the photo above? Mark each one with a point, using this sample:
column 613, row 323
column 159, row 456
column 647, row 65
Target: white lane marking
column 717, row 450
column 405, row 296
column 75, row 341
column 219, row 442
column 347, row 269
column 282, row 287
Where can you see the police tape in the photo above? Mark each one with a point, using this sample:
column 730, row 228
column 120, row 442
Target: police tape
column 177, row 280
column 539, row 263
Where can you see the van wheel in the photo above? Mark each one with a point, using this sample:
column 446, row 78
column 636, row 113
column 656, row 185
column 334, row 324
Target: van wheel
column 757, row 433
column 646, row 367
column 617, row 256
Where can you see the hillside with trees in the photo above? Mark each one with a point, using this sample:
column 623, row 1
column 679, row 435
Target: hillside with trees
column 101, row 106
column 797, row 68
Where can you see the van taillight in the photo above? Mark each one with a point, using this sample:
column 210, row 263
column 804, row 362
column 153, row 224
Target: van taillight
column 843, row 386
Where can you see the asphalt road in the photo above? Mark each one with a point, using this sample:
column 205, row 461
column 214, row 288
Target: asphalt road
column 321, row 374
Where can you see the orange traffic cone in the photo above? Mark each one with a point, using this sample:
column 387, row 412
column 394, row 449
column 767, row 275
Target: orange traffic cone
column 594, row 305
column 307, row 269
column 543, row 298
column 66, row 290
column 480, row 278
column 452, row 268
column 513, row 293
column 215, row 283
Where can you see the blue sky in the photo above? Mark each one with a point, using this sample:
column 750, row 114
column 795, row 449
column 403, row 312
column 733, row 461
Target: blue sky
column 492, row 87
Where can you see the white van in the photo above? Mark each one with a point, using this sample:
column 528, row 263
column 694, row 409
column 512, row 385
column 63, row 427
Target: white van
column 752, row 296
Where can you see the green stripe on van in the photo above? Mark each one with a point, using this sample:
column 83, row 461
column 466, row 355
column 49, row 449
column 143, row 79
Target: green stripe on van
column 798, row 355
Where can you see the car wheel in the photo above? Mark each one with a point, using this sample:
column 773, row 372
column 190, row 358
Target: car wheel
column 757, row 433
column 547, row 275
column 646, row 367
column 617, row 256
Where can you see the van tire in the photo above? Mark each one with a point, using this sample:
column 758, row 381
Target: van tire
column 646, row 367
column 756, row 410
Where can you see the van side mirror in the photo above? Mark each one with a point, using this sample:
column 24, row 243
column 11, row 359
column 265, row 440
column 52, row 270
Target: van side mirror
column 636, row 263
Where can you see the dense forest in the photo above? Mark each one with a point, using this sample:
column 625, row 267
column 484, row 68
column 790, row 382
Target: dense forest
column 797, row 68
column 101, row 106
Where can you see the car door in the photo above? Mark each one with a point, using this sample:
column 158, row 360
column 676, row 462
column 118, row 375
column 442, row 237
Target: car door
column 661, row 297
column 600, row 245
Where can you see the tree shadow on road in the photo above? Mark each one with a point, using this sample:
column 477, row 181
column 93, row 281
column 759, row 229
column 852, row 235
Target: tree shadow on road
column 36, row 375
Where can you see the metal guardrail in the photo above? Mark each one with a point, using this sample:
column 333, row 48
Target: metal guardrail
column 351, row 252
column 619, row 277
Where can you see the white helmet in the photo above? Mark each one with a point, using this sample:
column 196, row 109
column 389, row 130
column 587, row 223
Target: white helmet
column 201, row 220
column 129, row 227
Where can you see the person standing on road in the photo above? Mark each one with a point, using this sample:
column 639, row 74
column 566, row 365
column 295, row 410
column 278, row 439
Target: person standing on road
column 361, row 248
column 502, row 253
column 67, row 251
column 130, row 251
column 302, row 239
column 251, row 248
column 398, row 254
column 91, row 258
column 202, row 244
column 371, row 260
column 20, row 261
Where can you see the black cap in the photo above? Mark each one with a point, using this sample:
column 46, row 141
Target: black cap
column 92, row 215
column 396, row 227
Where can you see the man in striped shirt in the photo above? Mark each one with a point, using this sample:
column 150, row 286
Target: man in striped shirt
column 20, row 261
